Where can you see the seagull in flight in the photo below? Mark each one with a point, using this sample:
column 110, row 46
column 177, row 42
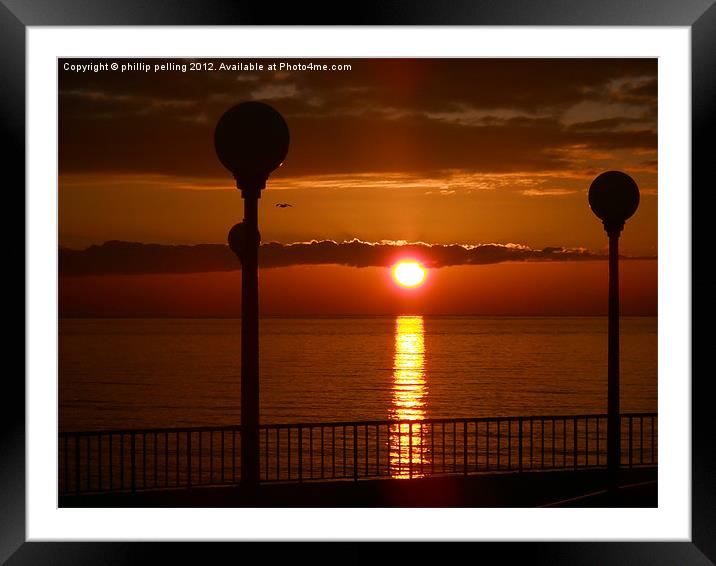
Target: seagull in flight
column 283, row 205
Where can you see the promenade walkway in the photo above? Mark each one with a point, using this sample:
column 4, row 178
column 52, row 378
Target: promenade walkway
column 572, row 488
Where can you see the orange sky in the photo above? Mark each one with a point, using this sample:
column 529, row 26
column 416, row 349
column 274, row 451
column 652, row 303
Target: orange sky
column 442, row 151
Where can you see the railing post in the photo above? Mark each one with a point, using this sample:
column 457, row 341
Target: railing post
column 464, row 448
column 574, row 421
column 509, row 444
column 432, row 448
column 89, row 465
column 333, row 451
column 121, row 461
column 377, row 449
column 410, row 450
column 365, row 438
column 111, row 483
column 586, row 442
column 355, row 452
column 155, row 459
column 188, row 458
column 99, row 462
column 541, row 442
column 519, row 445
column 77, row 463
column 144, row 460
column 564, row 442
column 641, row 439
column 211, row 456
column 499, row 445
column 487, row 445
column 631, row 447
column 300, row 453
column 132, row 460
column 310, row 451
column 66, row 476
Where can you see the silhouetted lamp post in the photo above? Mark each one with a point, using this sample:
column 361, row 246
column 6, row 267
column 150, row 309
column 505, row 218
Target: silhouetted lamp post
column 251, row 140
column 613, row 197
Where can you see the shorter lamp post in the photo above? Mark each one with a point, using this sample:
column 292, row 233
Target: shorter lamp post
column 613, row 197
column 251, row 140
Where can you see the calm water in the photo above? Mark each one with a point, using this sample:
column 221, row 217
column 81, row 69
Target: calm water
column 167, row 372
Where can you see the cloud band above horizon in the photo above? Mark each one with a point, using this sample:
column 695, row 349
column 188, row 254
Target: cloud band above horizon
column 128, row 258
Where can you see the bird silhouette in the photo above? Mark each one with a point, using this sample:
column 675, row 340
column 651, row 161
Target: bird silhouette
column 283, row 205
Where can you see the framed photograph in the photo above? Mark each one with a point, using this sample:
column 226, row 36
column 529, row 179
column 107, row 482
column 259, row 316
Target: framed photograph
column 426, row 278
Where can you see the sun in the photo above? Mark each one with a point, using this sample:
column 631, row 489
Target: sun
column 409, row 273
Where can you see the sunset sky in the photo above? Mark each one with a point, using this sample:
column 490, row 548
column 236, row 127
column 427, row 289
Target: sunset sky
column 456, row 152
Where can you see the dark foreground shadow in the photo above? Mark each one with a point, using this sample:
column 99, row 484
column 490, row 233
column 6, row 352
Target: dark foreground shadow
column 585, row 488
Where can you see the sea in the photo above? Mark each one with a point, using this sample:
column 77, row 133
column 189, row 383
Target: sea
column 143, row 373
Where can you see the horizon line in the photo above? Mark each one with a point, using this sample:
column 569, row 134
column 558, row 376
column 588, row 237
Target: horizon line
column 452, row 315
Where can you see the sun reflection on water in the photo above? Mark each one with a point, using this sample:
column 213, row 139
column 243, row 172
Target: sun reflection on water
column 409, row 396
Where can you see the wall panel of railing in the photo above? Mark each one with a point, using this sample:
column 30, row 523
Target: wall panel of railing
column 133, row 460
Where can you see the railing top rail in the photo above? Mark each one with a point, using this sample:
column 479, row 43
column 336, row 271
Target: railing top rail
column 453, row 420
column 330, row 424
column 152, row 430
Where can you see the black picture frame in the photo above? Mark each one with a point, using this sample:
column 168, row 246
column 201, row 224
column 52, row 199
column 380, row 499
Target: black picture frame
column 698, row 15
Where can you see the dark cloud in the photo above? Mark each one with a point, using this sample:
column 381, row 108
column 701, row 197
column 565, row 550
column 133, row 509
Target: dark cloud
column 609, row 125
column 115, row 258
column 416, row 115
column 410, row 84
column 354, row 144
column 637, row 92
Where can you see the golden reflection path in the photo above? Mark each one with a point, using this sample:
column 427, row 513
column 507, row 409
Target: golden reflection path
column 409, row 399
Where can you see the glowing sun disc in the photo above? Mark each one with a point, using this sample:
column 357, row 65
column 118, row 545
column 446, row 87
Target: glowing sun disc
column 409, row 273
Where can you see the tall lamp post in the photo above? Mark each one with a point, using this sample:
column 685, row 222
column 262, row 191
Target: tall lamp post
column 251, row 140
column 613, row 197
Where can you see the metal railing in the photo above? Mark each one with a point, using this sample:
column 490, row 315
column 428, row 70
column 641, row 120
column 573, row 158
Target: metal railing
column 134, row 460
